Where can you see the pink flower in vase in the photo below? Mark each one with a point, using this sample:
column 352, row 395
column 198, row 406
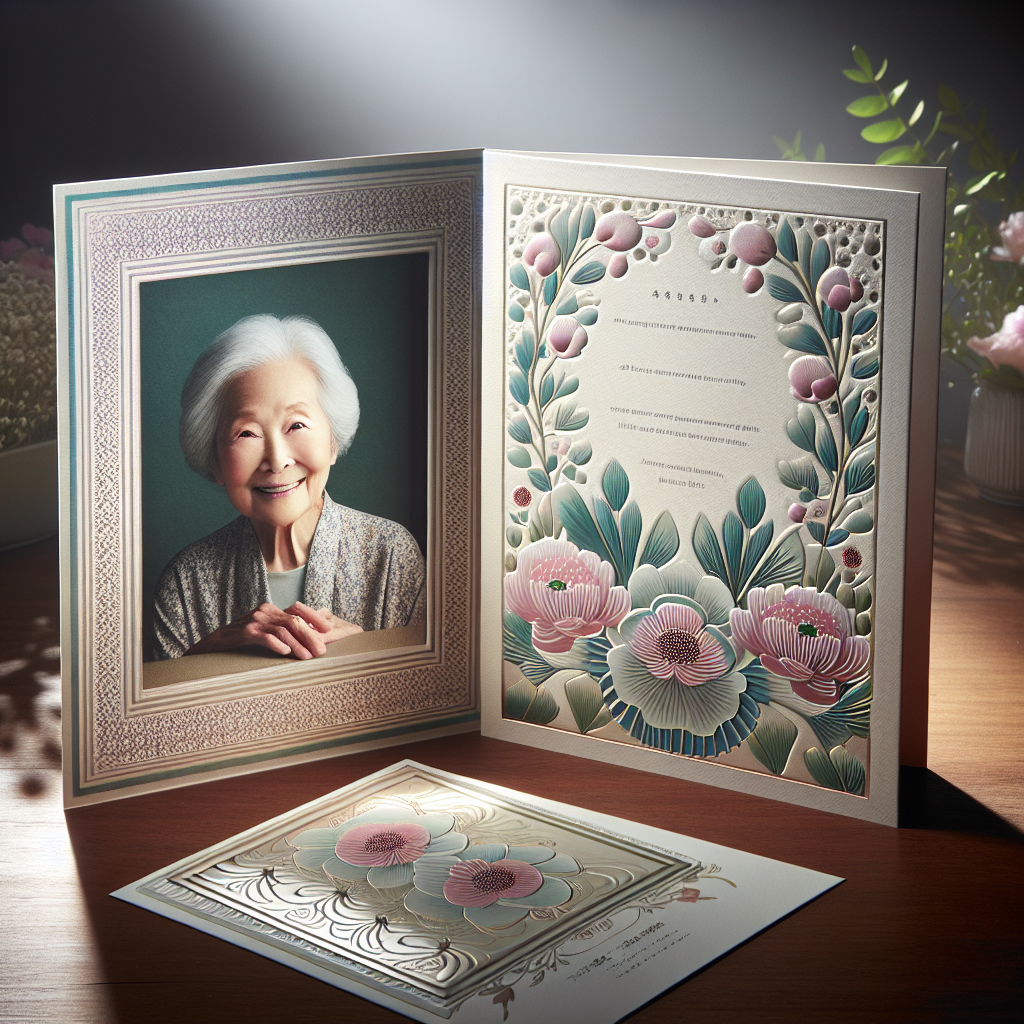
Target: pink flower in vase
column 1006, row 346
column 1012, row 233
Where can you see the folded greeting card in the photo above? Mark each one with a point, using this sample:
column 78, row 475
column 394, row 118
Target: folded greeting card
column 627, row 457
column 442, row 897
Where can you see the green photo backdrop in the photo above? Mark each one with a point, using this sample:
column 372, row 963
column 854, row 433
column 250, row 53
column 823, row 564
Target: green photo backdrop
column 375, row 311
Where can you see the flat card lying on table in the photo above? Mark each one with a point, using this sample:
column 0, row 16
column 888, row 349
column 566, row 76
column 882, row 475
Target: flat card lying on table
column 436, row 895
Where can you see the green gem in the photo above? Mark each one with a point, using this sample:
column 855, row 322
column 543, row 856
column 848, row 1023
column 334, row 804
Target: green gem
column 807, row 629
column 557, row 585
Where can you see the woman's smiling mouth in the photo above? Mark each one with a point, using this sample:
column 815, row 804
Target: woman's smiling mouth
column 278, row 490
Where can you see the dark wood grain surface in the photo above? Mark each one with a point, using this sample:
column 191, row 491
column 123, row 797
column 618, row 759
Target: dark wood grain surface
column 927, row 927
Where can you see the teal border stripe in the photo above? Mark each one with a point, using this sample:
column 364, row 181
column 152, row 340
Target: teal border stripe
column 69, row 204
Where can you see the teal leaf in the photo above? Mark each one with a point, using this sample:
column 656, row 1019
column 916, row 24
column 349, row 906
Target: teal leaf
column 858, row 522
column 772, row 740
column 518, row 387
column 568, row 305
column 826, row 448
column 519, row 457
column 816, row 530
column 517, row 637
column 525, row 702
column 550, row 288
column 569, row 471
column 805, row 243
column 837, row 536
column 799, row 474
column 552, row 463
column 630, row 526
column 826, row 568
column 803, row 337
column 579, row 524
column 587, row 221
column 573, row 230
column 863, row 321
column 705, row 547
column 580, row 453
column 514, row 535
column 801, row 428
column 518, row 276
column 525, row 350
column 571, row 417
column 860, row 472
column 858, row 425
column 516, row 312
column 609, row 529
column 662, row 542
column 519, row 429
column 821, row 260
column 757, row 545
column 587, row 316
column 783, row 290
column 784, row 564
column 567, row 386
column 589, row 273
column 583, row 696
column 865, row 365
column 615, row 485
column 751, row 503
column 559, row 228
column 786, row 240
column 547, row 389
column 832, row 321
column 539, row 479
column 732, row 541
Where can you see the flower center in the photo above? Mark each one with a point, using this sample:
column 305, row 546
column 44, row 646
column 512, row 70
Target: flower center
column 678, row 646
column 384, row 842
column 557, row 585
column 807, row 629
column 494, row 880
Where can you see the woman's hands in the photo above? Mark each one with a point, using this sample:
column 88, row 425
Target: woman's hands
column 298, row 631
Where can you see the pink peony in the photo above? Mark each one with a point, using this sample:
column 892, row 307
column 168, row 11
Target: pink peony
column 564, row 593
column 672, row 643
column 479, row 883
column 752, row 243
column 1006, row 346
column 542, row 253
column 811, row 379
column 567, row 337
column 838, row 290
column 804, row 636
column 376, row 845
column 618, row 231
column 1012, row 233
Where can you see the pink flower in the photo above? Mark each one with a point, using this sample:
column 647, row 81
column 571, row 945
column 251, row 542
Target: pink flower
column 852, row 558
column 1006, row 346
column 565, row 593
column 383, row 845
column 662, row 219
column 811, row 379
column 753, row 281
column 542, row 253
column 797, row 513
column 618, row 230
column 752, row 243
column 701, row 227
column 656, row 241
column 522, row 496
column 838, row 290
column 479, row 883
column 37, row 265
column 673, row 644
column 567, row 337
column 11, row 248
column 39, row 238
column 688, row 895
column 804, row 636
column 1012, row 233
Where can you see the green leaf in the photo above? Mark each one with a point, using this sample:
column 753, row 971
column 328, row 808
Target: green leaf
column 519, row 457
column 826, row 567
column 916, row 115
column 856, row 75
column 551, row 464
column 884, row 131
column 786, row 240
column 609, row 529
column 822, row 770
column 589, row 273
column 516, row 312
column 662, row 542
column 894, row 96
column 898, row 155
column 518, row 276
column 837, row 536
column 525, row 350
column 615, row 485
column 558, row 227
column 568, row 305
column 550, row 288
column 949, row 99
column 802, row 337
column 826, row 449
column 783, row 290
column 525, row 702
column 631, row 525
column 772, row 740
column 799, row 474
column 705, row 547
column 569, row 416
column 881, row 71
column 977, row 186
column 539, row 479
column 579, row 524
column 801, row 428
column 784, row 564
column 583, row 695
column 850, row 769
column 819, row 153
column 580, row 453
column 569, row 471
column 751, row 503
column 518, row 648
column 832, row 320
column 518, row 387
column 860, row 58
column 869, row 106
column 757, row 545
column 815, row 529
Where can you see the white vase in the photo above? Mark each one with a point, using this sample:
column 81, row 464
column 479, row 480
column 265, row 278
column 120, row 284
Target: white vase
column 28, row 494
column 994, row 452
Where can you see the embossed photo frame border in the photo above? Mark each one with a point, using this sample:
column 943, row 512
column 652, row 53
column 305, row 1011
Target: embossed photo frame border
column 119, row 737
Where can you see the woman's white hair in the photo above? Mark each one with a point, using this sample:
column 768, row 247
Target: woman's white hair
column 252, row 342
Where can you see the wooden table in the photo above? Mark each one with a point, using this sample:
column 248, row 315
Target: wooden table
column 927, row 927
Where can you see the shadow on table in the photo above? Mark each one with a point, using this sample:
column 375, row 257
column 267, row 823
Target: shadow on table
column 928, row 801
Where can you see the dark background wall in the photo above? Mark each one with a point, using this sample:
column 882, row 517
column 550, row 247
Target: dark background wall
column 120, row 87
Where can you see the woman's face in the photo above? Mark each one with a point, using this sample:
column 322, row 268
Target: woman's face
column 274, row 445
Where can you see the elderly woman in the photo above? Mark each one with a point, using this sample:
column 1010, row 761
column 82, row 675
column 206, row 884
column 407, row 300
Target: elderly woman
column 265, row 413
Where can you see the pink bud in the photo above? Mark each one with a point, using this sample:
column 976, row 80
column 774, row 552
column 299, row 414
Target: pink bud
column 662, row 219
column 567, row 337
column 542, row 253
column 701, row 227
column 797, row 513
column 618, row 265
column 753, row 280
column 618, row 231
column 752, row 243
column 811, row 379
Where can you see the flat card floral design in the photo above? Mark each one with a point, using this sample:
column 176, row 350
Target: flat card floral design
column 440, row 896
column 692, row 413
